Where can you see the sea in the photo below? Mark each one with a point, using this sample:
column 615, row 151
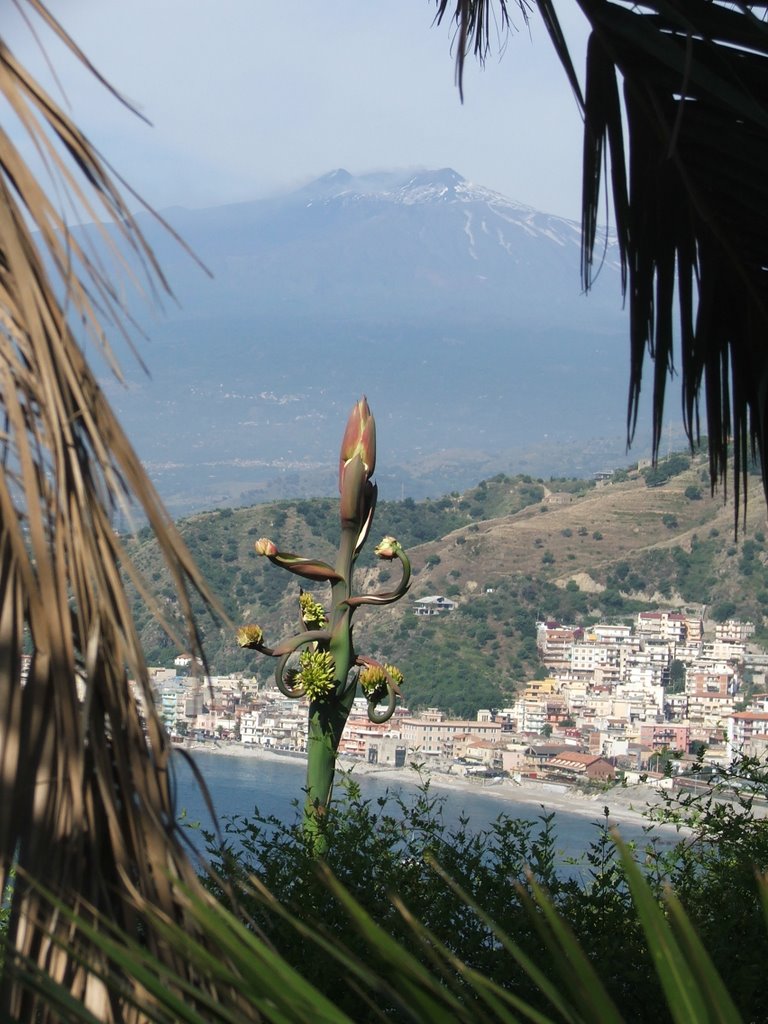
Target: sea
column 240, row 785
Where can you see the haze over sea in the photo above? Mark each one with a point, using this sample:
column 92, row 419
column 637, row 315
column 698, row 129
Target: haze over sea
column 238, row 784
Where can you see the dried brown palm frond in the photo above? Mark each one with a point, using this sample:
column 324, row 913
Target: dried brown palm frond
column 676, row 94
column 85, row 788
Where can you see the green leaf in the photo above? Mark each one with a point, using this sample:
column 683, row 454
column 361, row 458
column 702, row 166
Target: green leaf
column 687, row 986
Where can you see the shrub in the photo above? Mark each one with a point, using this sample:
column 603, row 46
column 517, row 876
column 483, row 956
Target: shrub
column 389, row 845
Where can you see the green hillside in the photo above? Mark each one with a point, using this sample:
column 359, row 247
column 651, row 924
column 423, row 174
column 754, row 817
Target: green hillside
column 509, row 551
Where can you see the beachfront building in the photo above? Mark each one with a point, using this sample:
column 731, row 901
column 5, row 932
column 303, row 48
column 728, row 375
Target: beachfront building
column 434, row 735
column 387, row 750
column 360, row 732
column 665, row 736
column 573, row 766
column 271, row 727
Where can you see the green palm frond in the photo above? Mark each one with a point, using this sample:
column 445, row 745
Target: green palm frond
column 85, row 797
column 691, row 206
column 676, row 100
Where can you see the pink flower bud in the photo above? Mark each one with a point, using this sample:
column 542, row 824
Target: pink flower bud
column 359, row 440
column 265, row 547
column 387, row 548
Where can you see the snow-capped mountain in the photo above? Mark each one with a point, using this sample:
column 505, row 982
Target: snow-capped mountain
column 416, row 244
column 447, row 186
column 457, row 310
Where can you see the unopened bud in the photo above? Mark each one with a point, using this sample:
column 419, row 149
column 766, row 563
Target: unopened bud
column 387, row 548
column 359, row 440
column 265, row 547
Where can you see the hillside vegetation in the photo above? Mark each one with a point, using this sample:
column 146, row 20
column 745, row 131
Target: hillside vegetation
column 509, row 551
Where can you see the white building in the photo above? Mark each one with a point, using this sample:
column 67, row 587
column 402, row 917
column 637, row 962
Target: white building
column 433, row 605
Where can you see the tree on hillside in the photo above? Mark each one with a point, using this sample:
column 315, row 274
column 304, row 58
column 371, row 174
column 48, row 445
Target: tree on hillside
column 675, row 104
column 86, row 801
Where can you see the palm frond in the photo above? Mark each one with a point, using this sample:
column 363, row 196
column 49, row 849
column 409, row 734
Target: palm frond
column 85, row 795
column 691, row 208
column 676, row 98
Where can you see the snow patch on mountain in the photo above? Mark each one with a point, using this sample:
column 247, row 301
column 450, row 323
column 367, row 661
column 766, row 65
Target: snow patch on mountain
column 448, row 187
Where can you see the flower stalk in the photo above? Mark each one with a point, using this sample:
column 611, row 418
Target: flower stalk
column 330, row 673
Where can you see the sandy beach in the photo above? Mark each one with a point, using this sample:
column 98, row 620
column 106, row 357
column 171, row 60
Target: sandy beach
column 626, row 804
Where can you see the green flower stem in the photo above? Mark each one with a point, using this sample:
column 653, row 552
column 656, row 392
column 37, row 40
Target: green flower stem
column 387, row 596
column 328, row 717
column 379, row 717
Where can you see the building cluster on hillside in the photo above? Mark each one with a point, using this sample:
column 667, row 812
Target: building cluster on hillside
column 616, row 698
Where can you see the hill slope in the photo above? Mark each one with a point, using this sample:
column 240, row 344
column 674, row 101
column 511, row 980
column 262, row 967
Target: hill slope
column 511, row 551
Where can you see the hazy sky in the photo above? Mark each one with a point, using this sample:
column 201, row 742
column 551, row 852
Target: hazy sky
column 248, row 97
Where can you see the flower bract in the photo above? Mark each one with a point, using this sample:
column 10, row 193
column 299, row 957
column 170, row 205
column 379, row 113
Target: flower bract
column 316, row 672
column 250, row 636
column 312, row 612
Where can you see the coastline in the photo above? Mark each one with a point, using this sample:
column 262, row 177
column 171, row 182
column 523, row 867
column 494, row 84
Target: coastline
column 626, row 805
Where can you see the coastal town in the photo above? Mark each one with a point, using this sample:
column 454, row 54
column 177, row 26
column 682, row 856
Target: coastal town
column 644, row 701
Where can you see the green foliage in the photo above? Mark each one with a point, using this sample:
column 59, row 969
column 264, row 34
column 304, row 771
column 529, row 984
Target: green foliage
column 601, row 920
column 666, row 469
column 410, row 921
column 570, row 485
column 676, row 677
column 723, row 611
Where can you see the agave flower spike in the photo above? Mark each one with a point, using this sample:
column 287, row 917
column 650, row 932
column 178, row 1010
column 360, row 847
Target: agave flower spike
column 313, row 615
column 378, row 681
column 327, row 673
column 372, row 494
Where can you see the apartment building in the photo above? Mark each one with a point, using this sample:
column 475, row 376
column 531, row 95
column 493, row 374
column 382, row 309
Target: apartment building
column 434, row 735
column 662, row 625
column 746, row 733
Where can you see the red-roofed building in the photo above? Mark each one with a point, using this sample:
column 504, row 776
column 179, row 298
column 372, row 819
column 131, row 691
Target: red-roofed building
column 670, row 626
column 569, row 764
